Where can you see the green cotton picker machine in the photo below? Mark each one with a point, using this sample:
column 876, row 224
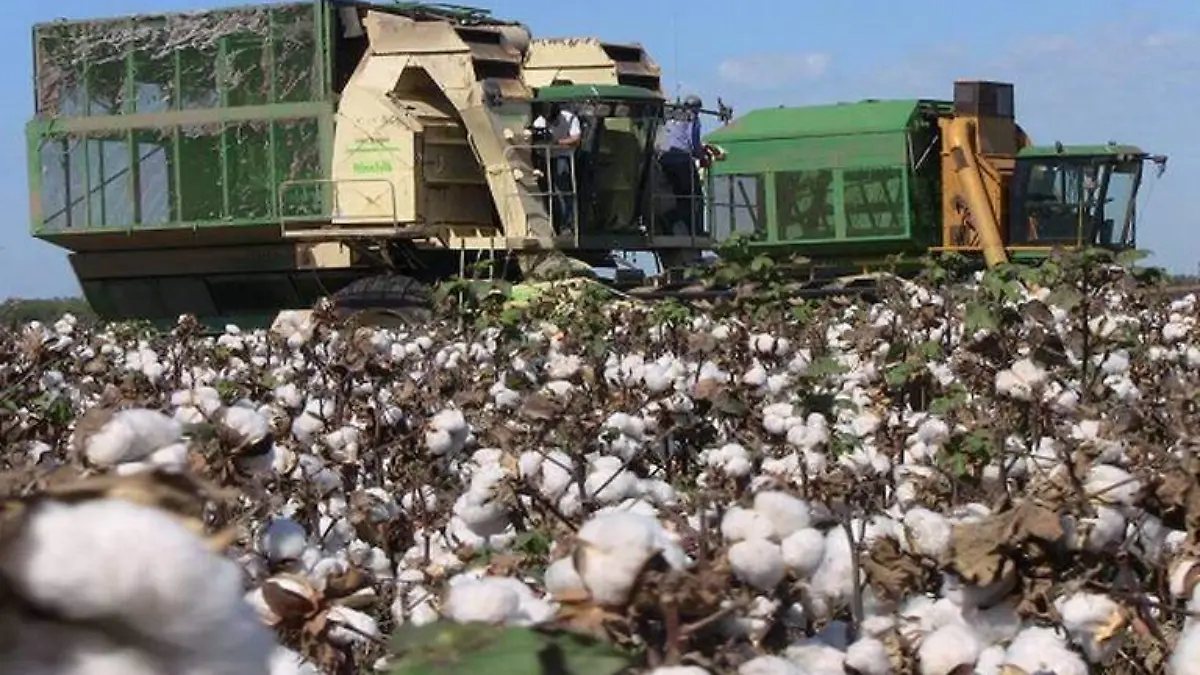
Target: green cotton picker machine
column 234, row 163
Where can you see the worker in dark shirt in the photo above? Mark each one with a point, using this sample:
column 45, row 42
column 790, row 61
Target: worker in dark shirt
column 680, row 149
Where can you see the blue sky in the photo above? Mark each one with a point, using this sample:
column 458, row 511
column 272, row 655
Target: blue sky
column 1084, row 71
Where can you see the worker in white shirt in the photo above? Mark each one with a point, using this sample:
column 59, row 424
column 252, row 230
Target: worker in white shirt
column 565, row 133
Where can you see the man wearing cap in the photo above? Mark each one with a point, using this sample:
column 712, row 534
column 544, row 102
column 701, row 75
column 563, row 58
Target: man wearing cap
column 679, row 150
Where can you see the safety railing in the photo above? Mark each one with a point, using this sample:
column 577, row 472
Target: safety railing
column 548, row 153
column 330, row 194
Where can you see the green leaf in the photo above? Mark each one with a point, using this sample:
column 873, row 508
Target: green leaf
column 445, row 648
column 761, row 264
column 1130, row 257
column 824, row 366
column 533, row 542
column 931, row 349
column 1065, row 297
column 900, row 373
column 580, row 655
column 979, row 317
column 942, row 405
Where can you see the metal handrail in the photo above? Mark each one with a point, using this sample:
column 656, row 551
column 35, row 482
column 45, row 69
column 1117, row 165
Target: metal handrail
column 334, row 207
column 573, row 194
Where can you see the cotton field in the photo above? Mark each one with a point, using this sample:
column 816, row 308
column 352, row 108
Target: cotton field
column 990, row 478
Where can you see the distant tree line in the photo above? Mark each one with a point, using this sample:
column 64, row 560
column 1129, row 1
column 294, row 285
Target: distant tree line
column 45, row 310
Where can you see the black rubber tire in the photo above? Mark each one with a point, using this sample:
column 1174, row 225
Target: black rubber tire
column 386, row 299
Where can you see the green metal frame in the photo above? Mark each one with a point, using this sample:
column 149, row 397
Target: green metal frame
column 829, row 146
column 241, row 104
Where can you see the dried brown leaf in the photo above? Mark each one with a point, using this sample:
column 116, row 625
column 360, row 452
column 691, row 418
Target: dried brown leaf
column 979, row 548
column 893, row 573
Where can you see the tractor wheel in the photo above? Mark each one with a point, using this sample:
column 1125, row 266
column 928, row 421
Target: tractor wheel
column 388, row 300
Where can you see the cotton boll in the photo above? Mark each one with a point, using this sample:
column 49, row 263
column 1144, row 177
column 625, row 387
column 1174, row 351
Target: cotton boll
column 1095, row 622
column 111, row 560
column 786, row 513
column 757, row 562
column 947, row 648
column 1038, row 649
column 1185, row 657
column 287, row 662
column 770, row 665
column 803, row 552
column 732, row 459
column 351, row 627
column 1020, row 380
column 869, row 656
column 927, row 533
column 815, row 656
column 609, row 482
column 283, row 539
column 614, row 548
column 173, row 457
column 991, row 661
column 562, row 579
column 834, row 579
column 740, row 524
column 1112, row 485
column 131, row 435
column 482, row 602
column 250, row 425
column 1101, row 532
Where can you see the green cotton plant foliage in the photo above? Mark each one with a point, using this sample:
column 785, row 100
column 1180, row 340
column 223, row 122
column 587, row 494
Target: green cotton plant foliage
column 446, row 648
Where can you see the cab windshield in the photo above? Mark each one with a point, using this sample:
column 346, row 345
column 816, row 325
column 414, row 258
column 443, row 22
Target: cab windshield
column 1075, row 201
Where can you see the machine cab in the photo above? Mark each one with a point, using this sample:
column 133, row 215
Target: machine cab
column 607, row 186
column 1077, row 196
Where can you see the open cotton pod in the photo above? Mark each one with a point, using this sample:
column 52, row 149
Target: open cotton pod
column 1185, row 575
column 288, row 598
column 1095, row 623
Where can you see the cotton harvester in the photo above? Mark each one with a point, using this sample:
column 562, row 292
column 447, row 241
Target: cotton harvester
column 237, row 162
column 848, row 185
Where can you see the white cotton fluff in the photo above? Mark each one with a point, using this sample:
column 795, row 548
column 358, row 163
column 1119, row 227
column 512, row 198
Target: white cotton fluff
column 114, row 561
column 869, row 656
column 947, row 648
column 803, row 551
column 679, row 670
column 283, row 539
column 562, row 579
column 495, row 600
column 609, row 482
column 816, row 655
column 131, row 435
column 757, row 562
column 1040, row 649
column 732, row 459
column 615, row 546
column 249, row 424
column 287, row 662
column 787, row 513
column 833, row 581
column 1185, row 657
column 1112, row 485
column 770, row 665
column 991, row 661
column 739, row 524
column 1086, row 616
column 927, row 533
column 351, row 627
column 1020, row 380
column 448, row 432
